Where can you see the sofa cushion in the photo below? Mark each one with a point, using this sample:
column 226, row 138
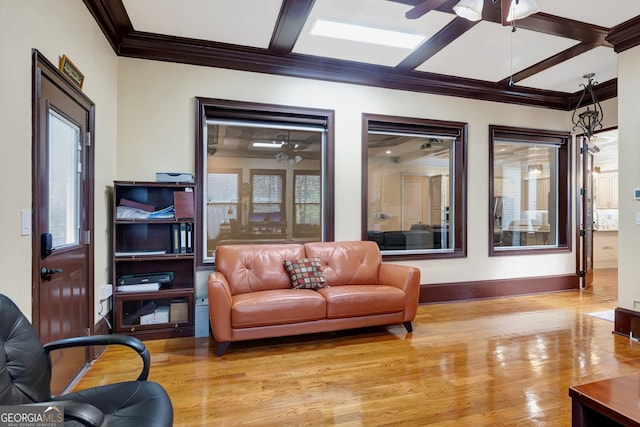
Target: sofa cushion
column 277, row 307
column 305, row 273
column 362, row 300
column 345, row 263
column 252, row 268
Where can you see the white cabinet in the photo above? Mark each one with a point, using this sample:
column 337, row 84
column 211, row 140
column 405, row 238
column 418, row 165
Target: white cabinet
column 606, row 190
column 605, row 249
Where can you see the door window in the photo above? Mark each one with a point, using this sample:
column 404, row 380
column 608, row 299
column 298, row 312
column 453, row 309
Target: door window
column 64, row 180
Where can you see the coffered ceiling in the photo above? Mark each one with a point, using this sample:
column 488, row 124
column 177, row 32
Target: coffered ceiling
column 545, row 57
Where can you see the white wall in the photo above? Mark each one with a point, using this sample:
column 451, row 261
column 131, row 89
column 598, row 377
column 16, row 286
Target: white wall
column 54, row 28
column 156, row 133
column 629, row 177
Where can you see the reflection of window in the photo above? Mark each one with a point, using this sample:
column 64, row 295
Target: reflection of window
column 414, row 181
column 307, row 197
column 223, row 201
column 248, row 157
column 267, row 190
column 529, row 190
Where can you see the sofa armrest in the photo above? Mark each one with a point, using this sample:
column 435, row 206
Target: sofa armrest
column 220, row 306
column 406, row 278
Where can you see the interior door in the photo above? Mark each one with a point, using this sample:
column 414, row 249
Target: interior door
column 586, row 214
column 414, row 196
column 62, row 217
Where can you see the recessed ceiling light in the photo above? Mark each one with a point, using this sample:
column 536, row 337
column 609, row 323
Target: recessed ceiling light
column 388, row 152
column 360, row 33
column 267, row 144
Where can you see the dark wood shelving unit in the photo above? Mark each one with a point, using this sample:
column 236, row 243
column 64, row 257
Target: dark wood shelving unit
column 168, row 311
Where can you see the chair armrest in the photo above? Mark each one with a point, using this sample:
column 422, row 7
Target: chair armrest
column 220, row 306
column 81, row 412
column 406, row 278
column 125, row 340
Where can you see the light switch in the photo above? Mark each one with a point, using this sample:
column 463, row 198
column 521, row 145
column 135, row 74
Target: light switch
column 25, row 222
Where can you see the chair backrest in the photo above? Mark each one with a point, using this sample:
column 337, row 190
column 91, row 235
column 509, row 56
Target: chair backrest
column 347, row 263
column 252, row 268
column 25, row 372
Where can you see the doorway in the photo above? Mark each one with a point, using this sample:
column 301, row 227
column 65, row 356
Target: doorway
column 605, row 213
column 62, row 176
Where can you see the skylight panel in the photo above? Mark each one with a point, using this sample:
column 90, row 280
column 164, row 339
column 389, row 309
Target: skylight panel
column 363, row 34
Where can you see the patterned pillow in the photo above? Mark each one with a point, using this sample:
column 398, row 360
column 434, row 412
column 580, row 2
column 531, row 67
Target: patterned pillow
column 306, row 273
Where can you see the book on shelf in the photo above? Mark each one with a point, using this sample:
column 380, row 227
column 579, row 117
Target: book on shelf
column 182, row 238
column 189, row 237
column 140, row 287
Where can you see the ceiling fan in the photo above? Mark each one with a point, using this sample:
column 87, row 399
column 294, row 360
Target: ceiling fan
column 510, row 10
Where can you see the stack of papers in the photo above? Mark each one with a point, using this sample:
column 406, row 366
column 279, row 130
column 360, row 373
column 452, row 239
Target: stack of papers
column 128, row 212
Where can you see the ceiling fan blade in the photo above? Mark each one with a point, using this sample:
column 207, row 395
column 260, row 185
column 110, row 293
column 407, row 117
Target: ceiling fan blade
column 423, row 8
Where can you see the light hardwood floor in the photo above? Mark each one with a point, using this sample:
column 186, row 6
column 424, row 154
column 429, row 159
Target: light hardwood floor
column 500, row 362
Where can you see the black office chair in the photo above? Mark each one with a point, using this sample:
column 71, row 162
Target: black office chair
column 25, row 374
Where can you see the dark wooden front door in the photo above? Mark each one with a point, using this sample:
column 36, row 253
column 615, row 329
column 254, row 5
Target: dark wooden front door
column 62, row 216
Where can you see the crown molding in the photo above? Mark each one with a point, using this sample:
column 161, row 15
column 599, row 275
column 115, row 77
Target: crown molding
column 626, row 35
column 114, row 22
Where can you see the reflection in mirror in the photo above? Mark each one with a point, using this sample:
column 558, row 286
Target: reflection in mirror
column 524, row 194
column 411, row 187
column 263, row 184
column 529, row 191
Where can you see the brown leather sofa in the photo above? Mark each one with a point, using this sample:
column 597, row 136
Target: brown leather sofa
column 251, row 295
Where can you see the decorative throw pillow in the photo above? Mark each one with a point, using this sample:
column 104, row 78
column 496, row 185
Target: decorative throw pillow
column 306, row 273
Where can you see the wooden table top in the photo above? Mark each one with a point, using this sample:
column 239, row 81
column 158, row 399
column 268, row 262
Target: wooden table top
column 617, row 398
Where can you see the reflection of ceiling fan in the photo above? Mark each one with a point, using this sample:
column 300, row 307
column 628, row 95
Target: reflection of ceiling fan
column 288, row 155
column 289, row 152
column 510, row 10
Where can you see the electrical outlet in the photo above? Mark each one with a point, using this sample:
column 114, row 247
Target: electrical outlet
column 636, row 304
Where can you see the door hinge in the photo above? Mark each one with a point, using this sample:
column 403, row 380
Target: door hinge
column 87, row 237
column 583, row 274
column 583, row 191
column 583, row 150
column 87, row 332
column 583, row 233
column 87, row 140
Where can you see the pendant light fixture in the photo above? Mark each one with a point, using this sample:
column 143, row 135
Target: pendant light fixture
column 469, row 9
column 590, row 119
column 472, row 9
column 520, row 9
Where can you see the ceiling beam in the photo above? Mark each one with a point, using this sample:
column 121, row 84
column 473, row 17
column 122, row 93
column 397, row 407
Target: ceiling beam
column 550, row 62
column 423, row 8
column 435, row 44
column 291, row 19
